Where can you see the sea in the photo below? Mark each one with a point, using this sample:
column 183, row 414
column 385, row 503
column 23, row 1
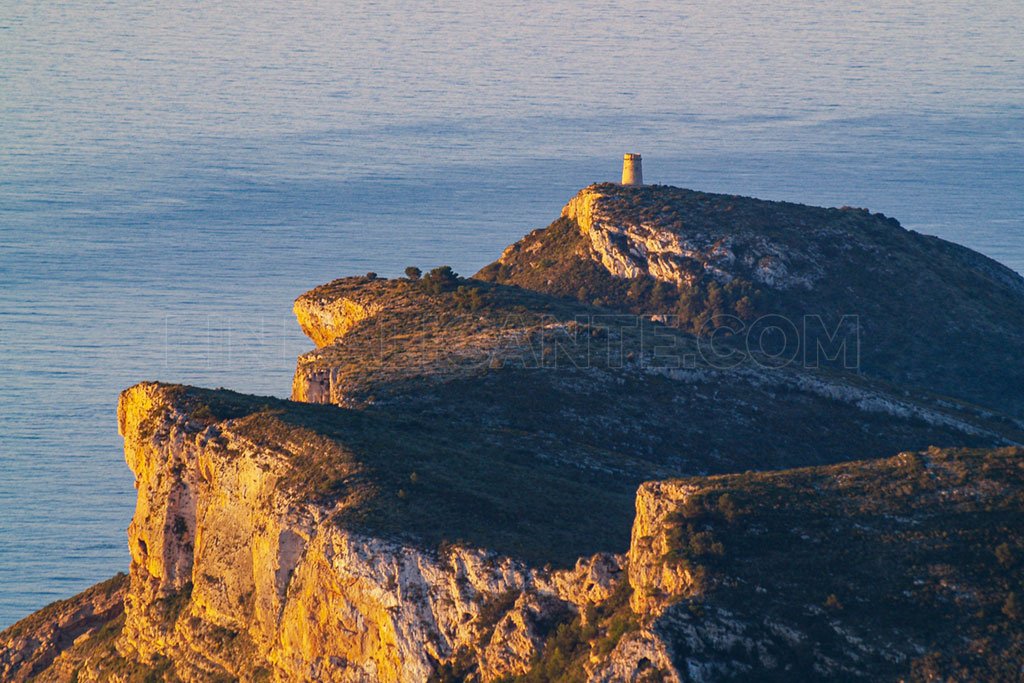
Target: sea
column 173, row 174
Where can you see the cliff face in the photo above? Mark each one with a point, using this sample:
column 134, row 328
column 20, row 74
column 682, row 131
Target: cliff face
column 233, row 574
column 273, row 577
column 930, row 313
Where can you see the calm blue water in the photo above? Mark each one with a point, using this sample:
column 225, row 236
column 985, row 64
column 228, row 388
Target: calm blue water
column 173, row 174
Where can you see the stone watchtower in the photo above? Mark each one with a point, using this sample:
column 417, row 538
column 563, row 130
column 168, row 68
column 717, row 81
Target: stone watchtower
column 632, row 170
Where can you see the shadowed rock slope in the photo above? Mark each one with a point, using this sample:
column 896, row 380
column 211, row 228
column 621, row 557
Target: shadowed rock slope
column 580, row 384
column 931, row 313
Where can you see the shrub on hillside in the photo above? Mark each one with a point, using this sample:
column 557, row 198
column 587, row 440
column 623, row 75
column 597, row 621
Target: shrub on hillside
column 441, row 279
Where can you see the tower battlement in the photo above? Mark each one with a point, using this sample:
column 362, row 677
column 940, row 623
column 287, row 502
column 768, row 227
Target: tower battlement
column 632, row 169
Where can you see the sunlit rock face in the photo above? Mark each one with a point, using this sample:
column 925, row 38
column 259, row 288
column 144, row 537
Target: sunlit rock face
column 232, row 574
column 323, row 320
column 665, row 246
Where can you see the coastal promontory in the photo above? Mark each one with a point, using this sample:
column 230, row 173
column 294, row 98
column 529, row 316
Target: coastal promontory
column 589, row 463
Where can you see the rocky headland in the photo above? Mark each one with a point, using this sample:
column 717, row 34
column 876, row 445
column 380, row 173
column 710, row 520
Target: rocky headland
column 931, row 314
column 576, row 467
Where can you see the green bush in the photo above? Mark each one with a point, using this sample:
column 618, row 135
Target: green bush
column 468, row 298
column 438, row 280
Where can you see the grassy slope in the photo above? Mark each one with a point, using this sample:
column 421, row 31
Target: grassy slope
column 923, row 550
column 543, row 375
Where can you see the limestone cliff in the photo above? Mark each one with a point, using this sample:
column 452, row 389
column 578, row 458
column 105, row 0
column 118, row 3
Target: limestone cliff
column 325, row 319
column 264, row 581
column 235, row 573
column 633, row 244
column 269, row 545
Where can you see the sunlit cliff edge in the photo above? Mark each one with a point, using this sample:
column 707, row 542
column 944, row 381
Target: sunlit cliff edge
column 482, row 479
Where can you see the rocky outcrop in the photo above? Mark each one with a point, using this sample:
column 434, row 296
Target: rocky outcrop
column 233, row 575
column 325, row 319
column 29, row 647
column 656, row 582
column 639, row 657
column 391, row 330
column 669, row 248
